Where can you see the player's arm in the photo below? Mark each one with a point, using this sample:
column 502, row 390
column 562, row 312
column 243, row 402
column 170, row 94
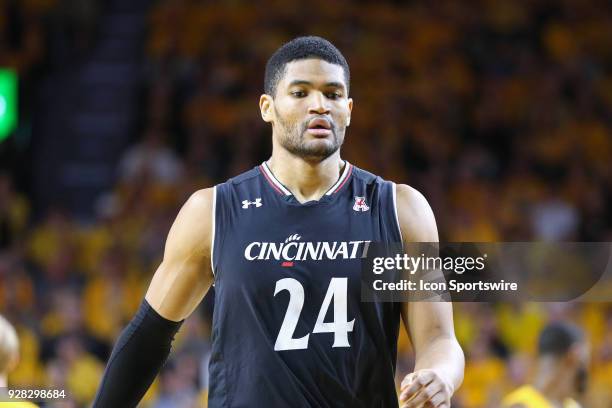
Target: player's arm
column 185, row 274
column 439, row 358
column 178, row 286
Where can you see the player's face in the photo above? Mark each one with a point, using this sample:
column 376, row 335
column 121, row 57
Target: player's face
column 311, row 109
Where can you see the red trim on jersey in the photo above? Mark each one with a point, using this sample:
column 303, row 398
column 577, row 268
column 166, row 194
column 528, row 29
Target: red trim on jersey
column 261, row 169
column 348, row 175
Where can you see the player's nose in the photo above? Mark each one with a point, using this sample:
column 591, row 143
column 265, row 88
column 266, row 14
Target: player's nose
column 318, row 104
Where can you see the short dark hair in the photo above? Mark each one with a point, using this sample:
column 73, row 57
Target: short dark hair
column 557, row 338
column 302, row 48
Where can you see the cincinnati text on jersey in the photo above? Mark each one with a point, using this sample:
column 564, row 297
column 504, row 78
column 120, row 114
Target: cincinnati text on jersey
column 302, row 251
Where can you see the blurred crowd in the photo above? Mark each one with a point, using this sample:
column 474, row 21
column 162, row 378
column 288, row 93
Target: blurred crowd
column 499, row 112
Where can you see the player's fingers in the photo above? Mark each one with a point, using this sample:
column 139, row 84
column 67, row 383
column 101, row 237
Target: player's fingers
column 407, row 380
column 419, row 380
column 423, row 395
column 438, row 400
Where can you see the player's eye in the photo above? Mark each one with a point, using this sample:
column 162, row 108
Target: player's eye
column 298, row 94
column 333, row 95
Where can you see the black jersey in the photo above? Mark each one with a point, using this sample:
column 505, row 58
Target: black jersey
column 289, row 327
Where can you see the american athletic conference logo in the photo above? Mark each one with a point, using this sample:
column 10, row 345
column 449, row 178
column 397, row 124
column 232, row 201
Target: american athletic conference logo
column 360, row 204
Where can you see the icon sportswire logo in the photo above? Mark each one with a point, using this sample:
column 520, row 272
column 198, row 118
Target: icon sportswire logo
column 292, row 249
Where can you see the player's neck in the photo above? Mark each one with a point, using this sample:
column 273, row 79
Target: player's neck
column 3, row 381
column 553, row 383
column 306, row 180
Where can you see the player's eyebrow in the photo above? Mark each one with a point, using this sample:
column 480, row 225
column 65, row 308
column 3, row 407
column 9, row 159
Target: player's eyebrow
column 308, row 83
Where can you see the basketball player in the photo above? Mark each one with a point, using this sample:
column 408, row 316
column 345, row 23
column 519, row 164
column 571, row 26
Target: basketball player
column 561, row 370
column 281, row 243
column 9, row 356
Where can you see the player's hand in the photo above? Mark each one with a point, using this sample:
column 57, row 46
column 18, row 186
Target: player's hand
column 425, row 389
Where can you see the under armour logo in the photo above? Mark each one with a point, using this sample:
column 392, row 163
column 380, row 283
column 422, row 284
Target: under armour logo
column 247, row 203
column 360, row 204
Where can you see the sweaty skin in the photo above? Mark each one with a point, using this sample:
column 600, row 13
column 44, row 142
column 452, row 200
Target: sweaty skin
column 308, row 163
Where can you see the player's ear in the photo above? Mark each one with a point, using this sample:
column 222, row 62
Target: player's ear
column 266, row 107
column 350, row 107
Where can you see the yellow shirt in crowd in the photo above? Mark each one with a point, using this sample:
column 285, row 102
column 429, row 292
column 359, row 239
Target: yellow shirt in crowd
column 529, row 397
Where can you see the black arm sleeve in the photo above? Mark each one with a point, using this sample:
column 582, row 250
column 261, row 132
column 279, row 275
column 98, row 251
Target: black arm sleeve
column 138, row 355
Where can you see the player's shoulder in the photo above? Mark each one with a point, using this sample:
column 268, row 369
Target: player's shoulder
column 365, row 176
column 410, row 196
column 200, row 200
column 245, row 181
column 194, row 219
column 407, row 197
column 249, row 175
column 191, row 229
column 407, row 193
column 415, row 216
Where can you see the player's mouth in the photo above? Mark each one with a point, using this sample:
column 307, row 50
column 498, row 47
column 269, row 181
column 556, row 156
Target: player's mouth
column 319, row 127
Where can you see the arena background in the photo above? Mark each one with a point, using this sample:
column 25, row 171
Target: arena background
column 500, row 112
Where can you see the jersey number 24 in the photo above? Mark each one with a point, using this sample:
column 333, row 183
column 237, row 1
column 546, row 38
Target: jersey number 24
column 340, row 326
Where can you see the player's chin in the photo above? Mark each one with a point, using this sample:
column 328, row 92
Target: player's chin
column 321, row 146
column 319, row 149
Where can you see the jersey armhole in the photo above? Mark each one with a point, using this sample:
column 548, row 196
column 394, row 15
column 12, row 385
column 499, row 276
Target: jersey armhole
column 213, row 231
column 397, row 223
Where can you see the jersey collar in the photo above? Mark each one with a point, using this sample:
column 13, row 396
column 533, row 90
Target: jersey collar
column 281, row 189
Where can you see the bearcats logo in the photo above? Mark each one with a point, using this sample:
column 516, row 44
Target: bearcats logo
column 360, row 204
